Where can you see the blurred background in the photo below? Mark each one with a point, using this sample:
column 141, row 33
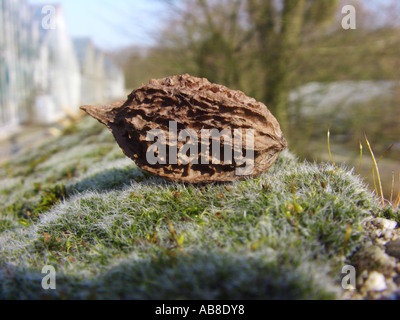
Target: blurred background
column 317, row 64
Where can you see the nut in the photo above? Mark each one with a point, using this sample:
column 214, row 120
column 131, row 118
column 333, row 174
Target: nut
column 184, row 108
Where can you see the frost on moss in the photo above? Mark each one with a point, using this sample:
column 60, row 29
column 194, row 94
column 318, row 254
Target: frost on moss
column 118, row 233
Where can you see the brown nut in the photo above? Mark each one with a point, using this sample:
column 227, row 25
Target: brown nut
column 168, row 118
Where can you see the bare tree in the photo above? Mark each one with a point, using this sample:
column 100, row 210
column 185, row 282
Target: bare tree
column 280, row 28
column 224, row 39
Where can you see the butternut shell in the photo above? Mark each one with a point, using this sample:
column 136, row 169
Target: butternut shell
column 195, row 104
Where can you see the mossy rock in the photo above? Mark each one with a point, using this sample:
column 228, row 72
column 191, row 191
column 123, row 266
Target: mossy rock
column 114, row 232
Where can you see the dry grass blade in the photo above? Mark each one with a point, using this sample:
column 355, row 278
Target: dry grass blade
column 392, row 190
column 329, row 148
column 173, row 232
column 397, row 202
column 347, row 237
column 361, row 155
column 376, row 169
column 375, row 186
column 379, row 160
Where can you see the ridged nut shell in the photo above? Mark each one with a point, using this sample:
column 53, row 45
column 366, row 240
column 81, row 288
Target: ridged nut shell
column 193, row 103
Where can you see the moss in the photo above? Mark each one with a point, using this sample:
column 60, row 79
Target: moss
column 70, row 130
column 6, row 225
column 112, row 231
column 392, row 214
column 49, row 198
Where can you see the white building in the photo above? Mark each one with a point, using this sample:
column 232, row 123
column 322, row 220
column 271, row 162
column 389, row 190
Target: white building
column 57, row 79
column 102, row 80
column 44, row 74
column 14, row 64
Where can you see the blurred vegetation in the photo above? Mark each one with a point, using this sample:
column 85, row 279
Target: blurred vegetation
column 245, row 44
column 268, row 48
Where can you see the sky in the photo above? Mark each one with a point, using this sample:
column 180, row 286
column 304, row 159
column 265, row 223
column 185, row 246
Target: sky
column 112, row 24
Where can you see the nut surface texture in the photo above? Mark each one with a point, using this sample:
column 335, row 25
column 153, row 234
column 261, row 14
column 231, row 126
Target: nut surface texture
column 197, row 105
